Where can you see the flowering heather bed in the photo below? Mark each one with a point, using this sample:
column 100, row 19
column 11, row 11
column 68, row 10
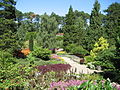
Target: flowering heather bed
column 62, row 85
column 53, row 67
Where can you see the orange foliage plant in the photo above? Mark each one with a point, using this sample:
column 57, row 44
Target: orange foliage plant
column 25, row 51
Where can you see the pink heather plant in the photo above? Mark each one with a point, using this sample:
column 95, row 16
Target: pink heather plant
column 117, row 86
column 63, row 85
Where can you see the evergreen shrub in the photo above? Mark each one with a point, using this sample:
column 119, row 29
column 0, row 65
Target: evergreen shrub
column 42, row 53
column 76, row 49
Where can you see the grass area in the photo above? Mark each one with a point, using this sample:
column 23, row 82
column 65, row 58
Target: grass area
column 42, row 62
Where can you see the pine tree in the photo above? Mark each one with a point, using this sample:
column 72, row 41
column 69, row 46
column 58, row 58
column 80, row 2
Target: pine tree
column 84, row 16
column 95, row 30
column 112, row 23
column 69, row 27
column 59, row 19
column 7, row 24
column 74, row 28
column 80, row 31
column 95, row 18
column 7, row 10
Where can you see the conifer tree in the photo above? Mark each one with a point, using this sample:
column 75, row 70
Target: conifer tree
column 112, row 26
column 95, row 17
column 95, row 30
column 69, row 27
column 80, row 31
column 7, row 24
column 7, row 9
column 84, row 16
column 99, row 46
column 112, row 23
column 74, row 28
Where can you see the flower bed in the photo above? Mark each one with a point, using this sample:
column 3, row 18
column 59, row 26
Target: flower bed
column 56, row 57
column 62, row 85
column 53, row 67
column 84, row 85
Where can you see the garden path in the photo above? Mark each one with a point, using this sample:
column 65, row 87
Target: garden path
column 79, row 67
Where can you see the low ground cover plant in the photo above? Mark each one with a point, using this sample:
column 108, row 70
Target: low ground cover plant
column 84, row 85
column 53, row 67
column 95, row 85
column 63, row 85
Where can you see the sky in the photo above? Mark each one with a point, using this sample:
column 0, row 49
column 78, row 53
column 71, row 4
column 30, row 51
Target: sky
column 60, row 7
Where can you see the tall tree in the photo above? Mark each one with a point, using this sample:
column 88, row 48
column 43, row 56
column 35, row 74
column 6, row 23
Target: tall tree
column 69, row 27
column 95, row 30
column 59, row 19
column 112, row 23
column 95, row 17
column 83, row 15
column 28, row 29
column 7, row 9
column 74, row 28
column 80, row 31
column 46, row 37
column 7, row 24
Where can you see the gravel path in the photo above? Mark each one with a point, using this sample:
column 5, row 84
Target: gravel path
column 78, row 68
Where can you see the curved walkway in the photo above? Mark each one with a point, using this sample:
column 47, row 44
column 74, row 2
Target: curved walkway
column 78, row 68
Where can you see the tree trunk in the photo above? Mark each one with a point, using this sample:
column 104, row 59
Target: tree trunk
column 31, row 43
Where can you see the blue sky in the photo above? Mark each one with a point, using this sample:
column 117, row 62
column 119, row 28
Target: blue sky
column 60, row 7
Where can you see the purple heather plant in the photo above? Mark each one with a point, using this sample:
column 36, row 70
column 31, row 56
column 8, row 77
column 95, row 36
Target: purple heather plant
column 63, row 85
column 53, row 67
